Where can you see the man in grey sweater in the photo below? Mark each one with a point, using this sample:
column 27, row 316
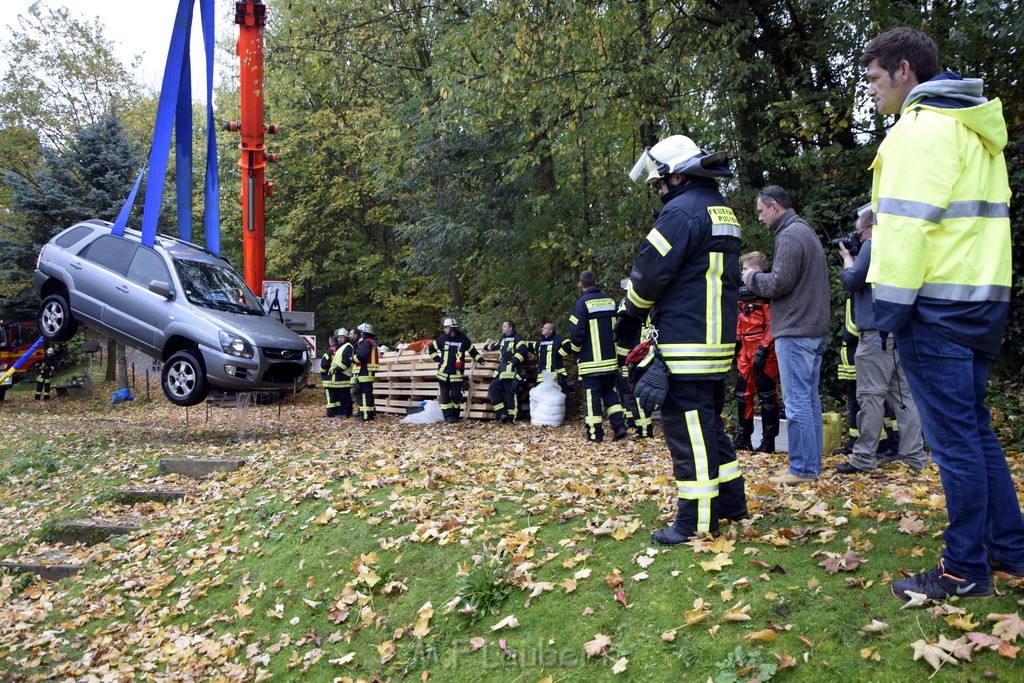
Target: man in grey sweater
column 797, row 286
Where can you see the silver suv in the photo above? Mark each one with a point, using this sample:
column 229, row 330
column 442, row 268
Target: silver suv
column 176, row 301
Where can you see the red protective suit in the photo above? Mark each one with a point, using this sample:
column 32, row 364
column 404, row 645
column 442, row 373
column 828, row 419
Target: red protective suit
column 752, row 333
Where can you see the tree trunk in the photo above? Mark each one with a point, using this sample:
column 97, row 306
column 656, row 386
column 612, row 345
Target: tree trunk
column 111, row 373
column 122, row 366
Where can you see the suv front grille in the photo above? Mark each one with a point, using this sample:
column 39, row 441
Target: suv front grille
column 294, row 355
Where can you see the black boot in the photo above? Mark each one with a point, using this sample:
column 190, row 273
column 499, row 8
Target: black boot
column 682, row 529
column 742, row 440
column 767, row 444
column 846, row 448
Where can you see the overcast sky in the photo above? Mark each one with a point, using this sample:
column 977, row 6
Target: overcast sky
column 136, row 27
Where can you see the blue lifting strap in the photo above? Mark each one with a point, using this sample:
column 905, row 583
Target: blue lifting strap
column 211, row 191
column 174, row 111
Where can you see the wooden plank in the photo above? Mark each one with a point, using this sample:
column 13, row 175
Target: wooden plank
column 404, row 380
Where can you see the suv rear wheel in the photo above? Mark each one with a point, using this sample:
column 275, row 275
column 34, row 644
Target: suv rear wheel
column 184, row 380
column 56, row 323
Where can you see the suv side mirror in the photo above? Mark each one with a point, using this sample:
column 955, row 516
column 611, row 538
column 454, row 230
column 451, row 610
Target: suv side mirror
column 161, row 288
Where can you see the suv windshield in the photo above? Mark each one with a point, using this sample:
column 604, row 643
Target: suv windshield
column 212, row 286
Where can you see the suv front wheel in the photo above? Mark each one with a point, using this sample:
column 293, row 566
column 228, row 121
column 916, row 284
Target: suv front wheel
column 184, row 380
column 55, row 321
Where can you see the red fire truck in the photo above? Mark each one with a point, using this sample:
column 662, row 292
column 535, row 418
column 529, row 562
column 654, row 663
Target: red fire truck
column 15, row 340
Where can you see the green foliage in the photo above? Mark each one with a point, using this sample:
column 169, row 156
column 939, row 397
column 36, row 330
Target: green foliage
column 62, row 76
column 745, row 663
column 89, row 178
column 486, row 585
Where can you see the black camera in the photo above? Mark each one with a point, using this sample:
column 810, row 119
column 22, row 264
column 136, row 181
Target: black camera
column 746, row 294
column 851, row 242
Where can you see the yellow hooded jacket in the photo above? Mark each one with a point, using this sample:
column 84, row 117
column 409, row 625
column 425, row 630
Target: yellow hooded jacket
column 940, row 193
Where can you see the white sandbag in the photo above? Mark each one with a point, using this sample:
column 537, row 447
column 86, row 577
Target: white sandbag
column 547, row 402
column 430, row 414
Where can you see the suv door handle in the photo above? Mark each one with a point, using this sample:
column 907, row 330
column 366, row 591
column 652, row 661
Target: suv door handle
column 122, row 288
column 76, row 264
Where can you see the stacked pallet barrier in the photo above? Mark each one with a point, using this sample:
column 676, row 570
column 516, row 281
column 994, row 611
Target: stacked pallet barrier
column 406, row 378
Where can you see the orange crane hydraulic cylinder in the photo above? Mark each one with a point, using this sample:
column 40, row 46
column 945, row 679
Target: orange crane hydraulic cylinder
column 251, row 17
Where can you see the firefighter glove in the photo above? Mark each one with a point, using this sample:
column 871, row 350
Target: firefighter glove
column 760, row 357
column 651, row 389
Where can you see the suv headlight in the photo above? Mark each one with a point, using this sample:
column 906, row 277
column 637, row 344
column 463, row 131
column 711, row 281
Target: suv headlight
column 235, row 346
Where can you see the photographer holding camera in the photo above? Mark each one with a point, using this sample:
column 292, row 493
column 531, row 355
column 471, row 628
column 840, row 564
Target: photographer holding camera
column 879, row 374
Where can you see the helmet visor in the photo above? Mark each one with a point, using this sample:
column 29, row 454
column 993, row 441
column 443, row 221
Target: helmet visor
column 647, row 167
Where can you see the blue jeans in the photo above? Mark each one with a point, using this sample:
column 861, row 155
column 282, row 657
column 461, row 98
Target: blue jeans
column 948, row 383
column 800, row 372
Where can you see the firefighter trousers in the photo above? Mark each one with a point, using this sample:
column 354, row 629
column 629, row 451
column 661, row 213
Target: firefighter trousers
column 599, row 400
column 704, row 465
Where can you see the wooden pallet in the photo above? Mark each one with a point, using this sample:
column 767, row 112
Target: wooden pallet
column 407, row 378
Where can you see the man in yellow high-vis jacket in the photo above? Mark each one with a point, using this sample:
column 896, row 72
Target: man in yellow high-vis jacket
column 941, row 272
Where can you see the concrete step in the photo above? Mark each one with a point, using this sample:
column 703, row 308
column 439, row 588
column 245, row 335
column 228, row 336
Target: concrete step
column 198, row 467
column 51, row 565
column 91, row 530
column 133, row 496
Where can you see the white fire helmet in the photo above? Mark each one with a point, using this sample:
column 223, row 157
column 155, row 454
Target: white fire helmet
column 449, row 322
column 365, row 328
column 678, row 154
column 341, row 332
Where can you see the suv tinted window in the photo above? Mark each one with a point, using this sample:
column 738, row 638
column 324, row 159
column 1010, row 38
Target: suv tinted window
column 110, row 252
column 148, row 266
column 72, row 236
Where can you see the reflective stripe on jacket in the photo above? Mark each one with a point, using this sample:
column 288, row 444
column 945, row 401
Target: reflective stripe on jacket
column 450, row 354
column 590, row 333
column 512, row 352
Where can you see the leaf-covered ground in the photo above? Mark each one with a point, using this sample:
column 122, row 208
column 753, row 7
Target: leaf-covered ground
column 345, row 551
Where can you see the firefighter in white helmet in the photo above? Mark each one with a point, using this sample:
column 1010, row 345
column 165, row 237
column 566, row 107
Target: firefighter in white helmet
column 450, row 351
column 687, row 278
column 342, row 367
column 367, row 358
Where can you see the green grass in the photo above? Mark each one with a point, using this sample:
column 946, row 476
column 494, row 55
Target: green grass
column 265, row 535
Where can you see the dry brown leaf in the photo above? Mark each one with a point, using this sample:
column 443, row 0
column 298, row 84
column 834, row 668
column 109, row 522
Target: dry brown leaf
column 716, row 564
column 871, row 654
column 786, row 661
column 476, row 643
column 932, row 653
column 508, row 622
column 1007, row 626
column 962, row 621
column 598, row 646
column 620, row 665
column 737, row 612
column 874, row 626
column 834, row 562
column 699, row 612
column 910, row 524
column 916, row 600
column 764, row 635
column 960, row 648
